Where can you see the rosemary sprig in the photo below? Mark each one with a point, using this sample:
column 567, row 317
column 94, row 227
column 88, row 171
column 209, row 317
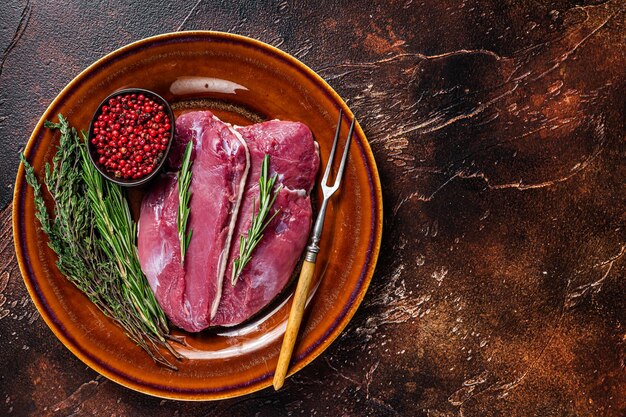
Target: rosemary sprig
column 118, row 231
column 259, row 222
column 95, row 242
column 184, row 195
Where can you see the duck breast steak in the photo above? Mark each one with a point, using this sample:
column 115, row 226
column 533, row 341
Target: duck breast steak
column 294, row 158
column 189, row 294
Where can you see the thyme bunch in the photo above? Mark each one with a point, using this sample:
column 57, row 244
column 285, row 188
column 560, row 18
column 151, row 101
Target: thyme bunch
column 94, row 239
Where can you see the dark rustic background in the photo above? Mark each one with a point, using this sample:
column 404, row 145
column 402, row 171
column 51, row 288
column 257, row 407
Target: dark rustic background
column 498, row 129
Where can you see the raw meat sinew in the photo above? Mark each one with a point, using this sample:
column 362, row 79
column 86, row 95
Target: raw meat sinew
column 224, row 186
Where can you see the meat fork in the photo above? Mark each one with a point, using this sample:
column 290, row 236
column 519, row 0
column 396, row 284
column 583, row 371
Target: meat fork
column 308, row 267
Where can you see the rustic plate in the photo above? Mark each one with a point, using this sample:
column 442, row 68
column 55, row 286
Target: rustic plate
column 242, row 80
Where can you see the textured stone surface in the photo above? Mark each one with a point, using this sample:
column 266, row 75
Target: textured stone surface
column 498, row 129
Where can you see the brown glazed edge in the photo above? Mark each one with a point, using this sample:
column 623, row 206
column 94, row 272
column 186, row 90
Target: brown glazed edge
column 311, row 351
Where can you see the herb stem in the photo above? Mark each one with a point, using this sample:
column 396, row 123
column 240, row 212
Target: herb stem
column 249, row 242
column 184, row 195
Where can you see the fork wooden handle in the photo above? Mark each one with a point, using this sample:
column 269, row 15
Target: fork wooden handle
column 293, row 325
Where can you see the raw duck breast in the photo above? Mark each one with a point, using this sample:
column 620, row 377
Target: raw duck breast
column 294, row 157
column 190, row 295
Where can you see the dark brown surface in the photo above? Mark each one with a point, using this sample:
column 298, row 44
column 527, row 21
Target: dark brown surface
column 499, row 135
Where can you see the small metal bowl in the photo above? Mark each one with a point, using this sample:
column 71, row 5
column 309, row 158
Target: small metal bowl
column 93, row 155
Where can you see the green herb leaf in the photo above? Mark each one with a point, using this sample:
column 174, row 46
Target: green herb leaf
column 184, row 196
column 94, row 239
column 260, row 221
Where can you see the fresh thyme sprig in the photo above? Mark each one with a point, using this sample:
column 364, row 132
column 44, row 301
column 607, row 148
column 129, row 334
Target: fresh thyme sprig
column 184, row 195
column 95, row 242
column 259, row 222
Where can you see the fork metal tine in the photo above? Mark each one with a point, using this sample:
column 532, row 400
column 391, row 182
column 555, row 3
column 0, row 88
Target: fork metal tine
column 327, row 190
column 344, row 158
column 331, row 157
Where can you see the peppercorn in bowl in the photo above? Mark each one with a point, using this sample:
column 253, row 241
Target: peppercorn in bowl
column 130, row 136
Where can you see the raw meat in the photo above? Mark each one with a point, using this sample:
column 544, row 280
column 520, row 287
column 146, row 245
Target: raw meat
column 294, row 157
column 190, row 295
column 158, row 247
column 200, row 294
column 293, row 152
